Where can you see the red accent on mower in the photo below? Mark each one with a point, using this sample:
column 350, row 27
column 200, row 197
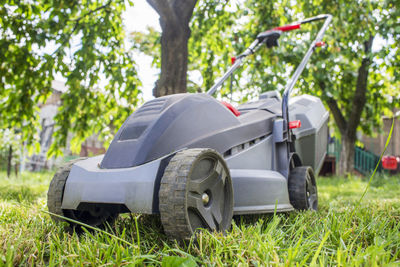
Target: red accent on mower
column 294, row 124
column 287, row 28
column 231, row 108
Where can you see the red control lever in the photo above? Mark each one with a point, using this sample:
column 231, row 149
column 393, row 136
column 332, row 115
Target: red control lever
column 294, row 124
column 287, row 27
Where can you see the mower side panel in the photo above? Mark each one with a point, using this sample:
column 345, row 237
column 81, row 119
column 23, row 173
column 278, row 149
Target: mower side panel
column 258, row 156
column 259, row 191
column 258, row 186
column 133, row 187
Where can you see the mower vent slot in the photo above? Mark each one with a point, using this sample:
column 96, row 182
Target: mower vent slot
column 135, row 126
column 239, row 148
column 132, row 132
column 151, row 108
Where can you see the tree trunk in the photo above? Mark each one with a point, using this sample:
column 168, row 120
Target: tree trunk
column 174, row 60
column 16, row 166
column 174, row 20
column 9, row 162
column 346, row 161
column 348, row 126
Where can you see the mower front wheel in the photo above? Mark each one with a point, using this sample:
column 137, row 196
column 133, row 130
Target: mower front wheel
column 303, row 193
column 196, row 192
column 96, row 217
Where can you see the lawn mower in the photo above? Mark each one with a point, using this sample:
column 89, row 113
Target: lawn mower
column 197, row 162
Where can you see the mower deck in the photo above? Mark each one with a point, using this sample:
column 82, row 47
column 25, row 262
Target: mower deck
column 257, row 190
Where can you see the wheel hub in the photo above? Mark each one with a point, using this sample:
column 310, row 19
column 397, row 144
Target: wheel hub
column 205, row 198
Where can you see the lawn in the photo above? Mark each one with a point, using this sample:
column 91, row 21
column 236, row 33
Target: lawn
column 340, row 233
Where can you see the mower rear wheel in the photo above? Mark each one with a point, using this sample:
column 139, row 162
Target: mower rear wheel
column 96, row 217
column 196, row 192
column 303, row 193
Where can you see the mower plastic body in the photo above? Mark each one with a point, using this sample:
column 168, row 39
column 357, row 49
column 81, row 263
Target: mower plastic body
column 254, row 145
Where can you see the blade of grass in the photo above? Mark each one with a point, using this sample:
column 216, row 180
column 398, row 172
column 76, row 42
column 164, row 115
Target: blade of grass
column 314, row 259
column 372, row 175
column 91, row 227
column 147, row 257
column 137, row 231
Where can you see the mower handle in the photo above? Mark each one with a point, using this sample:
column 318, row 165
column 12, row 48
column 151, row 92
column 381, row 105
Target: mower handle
column 250, row 50
column 290, row 85
column 271, row 37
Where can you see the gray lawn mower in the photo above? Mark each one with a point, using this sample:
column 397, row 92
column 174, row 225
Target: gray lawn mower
column 196, row 161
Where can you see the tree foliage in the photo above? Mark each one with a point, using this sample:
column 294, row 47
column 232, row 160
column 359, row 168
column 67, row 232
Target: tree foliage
column 82, row 41
column 352, row 75
column 212, row 42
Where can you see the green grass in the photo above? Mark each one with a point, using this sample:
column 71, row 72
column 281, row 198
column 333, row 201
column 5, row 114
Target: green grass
column 330, row 236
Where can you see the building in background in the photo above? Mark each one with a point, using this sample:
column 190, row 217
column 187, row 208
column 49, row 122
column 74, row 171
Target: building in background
column 91, row 146
column 377, row 144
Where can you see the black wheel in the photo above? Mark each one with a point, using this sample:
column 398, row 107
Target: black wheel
column 196, row 192
column 97, row 216
column 303, row 189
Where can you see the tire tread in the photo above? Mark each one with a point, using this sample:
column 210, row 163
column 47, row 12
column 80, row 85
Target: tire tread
column 172, row 193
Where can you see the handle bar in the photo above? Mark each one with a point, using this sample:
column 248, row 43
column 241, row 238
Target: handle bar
column 271, row 37
column 301, row 66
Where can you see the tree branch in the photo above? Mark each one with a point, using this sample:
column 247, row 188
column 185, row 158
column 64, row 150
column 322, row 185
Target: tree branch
column 165, row 10
column 337, row 113
column 360, row 98
column 185, row 9
column 93, row 11
column 161, row 7
column 76, row 25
